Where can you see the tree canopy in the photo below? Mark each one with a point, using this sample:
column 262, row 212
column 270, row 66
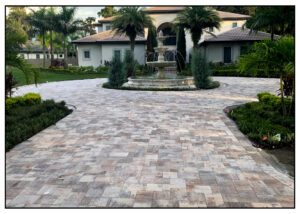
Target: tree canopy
column 107, row 11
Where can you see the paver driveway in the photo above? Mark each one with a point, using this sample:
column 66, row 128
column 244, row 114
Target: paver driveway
column 142, row 149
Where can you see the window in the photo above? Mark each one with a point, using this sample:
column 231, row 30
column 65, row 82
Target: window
column 210, row 29
column 38, row 56
column 60, row 55
column 117, row 53
column 234, row 24
column 86, row 54
column 108, row 27
column 227, row 54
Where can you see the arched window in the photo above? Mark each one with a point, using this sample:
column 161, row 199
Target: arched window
column 168, row 30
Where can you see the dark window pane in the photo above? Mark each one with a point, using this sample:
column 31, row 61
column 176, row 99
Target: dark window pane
column 227, row 54
column 86, row 54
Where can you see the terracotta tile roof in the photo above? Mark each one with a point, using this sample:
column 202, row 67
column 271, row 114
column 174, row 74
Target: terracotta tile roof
column 107, row 37
column 239, row 34
column 222, row 14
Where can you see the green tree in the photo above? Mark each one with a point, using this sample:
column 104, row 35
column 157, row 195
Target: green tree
column 274, row 19
column 67, row 25
column 15, row 37
column 116, row 74
column 107, row 11
column 200, row 70
column 196, row 20
column 88, row 26
column 131, row 21
column 38, row 19
column 271, row 56
column 151, row 43
column 129, row 64
column 51, row 18
column 181, row 49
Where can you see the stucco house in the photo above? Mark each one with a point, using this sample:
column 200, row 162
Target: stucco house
column 97, row 49
column 226, row 47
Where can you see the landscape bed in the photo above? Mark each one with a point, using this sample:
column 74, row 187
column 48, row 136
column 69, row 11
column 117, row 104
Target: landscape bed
column 27, row 115
column 264, row 123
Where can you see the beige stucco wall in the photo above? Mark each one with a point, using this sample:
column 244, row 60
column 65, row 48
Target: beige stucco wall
column 99, row 53
column 108, row 50
column 215, row 52
column 95, row 55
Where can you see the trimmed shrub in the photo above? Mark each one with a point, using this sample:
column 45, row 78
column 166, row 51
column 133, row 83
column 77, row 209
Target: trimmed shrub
column 26, row 100
column 116, row 75
column 200, row 70
column 102, row 69
column 129, row 64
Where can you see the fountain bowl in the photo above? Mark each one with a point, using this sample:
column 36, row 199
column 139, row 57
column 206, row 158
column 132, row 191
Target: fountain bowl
column 161, row 64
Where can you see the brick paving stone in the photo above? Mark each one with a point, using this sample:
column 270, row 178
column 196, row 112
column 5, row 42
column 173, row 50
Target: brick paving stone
column 145, row 149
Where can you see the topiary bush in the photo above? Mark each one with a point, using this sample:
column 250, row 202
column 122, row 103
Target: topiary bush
column 201, row 71
column 129, row 64
column 116, row 74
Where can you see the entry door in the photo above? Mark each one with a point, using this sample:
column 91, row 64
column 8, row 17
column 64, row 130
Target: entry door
column 227, row 54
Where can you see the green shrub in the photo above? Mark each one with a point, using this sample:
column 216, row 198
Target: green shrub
column 129, row 64
column 116, row 75
column 26, row 100
column 200, row 70
column 22, row 122
column 263, row 123
column 102, row 69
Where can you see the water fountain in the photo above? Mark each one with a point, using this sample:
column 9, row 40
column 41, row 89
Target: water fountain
column 164, row 79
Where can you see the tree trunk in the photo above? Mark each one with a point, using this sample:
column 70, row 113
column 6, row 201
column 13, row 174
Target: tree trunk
column 51, row 48
column 272, row 33
column 65, row 53
column 132, row 51
column 44, row 52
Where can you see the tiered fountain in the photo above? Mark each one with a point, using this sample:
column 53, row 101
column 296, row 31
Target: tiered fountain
column 164, row 79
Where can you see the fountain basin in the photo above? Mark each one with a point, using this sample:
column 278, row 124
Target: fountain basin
column 154, row 83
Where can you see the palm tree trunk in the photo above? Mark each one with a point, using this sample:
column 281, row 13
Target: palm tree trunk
column 132, row 51
column 65, row 52
column 51, row 47
column 44, row 51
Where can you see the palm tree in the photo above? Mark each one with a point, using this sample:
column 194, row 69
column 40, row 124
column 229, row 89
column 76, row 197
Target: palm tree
column 38, row 19
column 196, row 20
column 66, row 25
column 132, row 21
column 52, row 21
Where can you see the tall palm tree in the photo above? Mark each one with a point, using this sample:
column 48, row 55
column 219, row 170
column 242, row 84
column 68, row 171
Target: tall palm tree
column 132, row 21
column 52, row 21
column 38, row 19
column 196, row 19
column 66, row 25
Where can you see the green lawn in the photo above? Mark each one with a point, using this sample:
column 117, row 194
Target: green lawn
column 45, row 76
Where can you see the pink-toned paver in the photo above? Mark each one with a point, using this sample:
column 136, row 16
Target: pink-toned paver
column 145, row 149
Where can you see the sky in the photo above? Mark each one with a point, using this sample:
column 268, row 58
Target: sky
column 81, row 13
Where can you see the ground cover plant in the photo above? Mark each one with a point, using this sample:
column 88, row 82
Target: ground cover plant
column 264, row 123
column 27, row 115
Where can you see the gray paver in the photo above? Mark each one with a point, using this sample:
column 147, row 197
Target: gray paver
column 142, row 148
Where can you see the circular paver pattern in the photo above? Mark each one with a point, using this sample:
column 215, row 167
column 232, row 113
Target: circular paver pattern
column 145, row 149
